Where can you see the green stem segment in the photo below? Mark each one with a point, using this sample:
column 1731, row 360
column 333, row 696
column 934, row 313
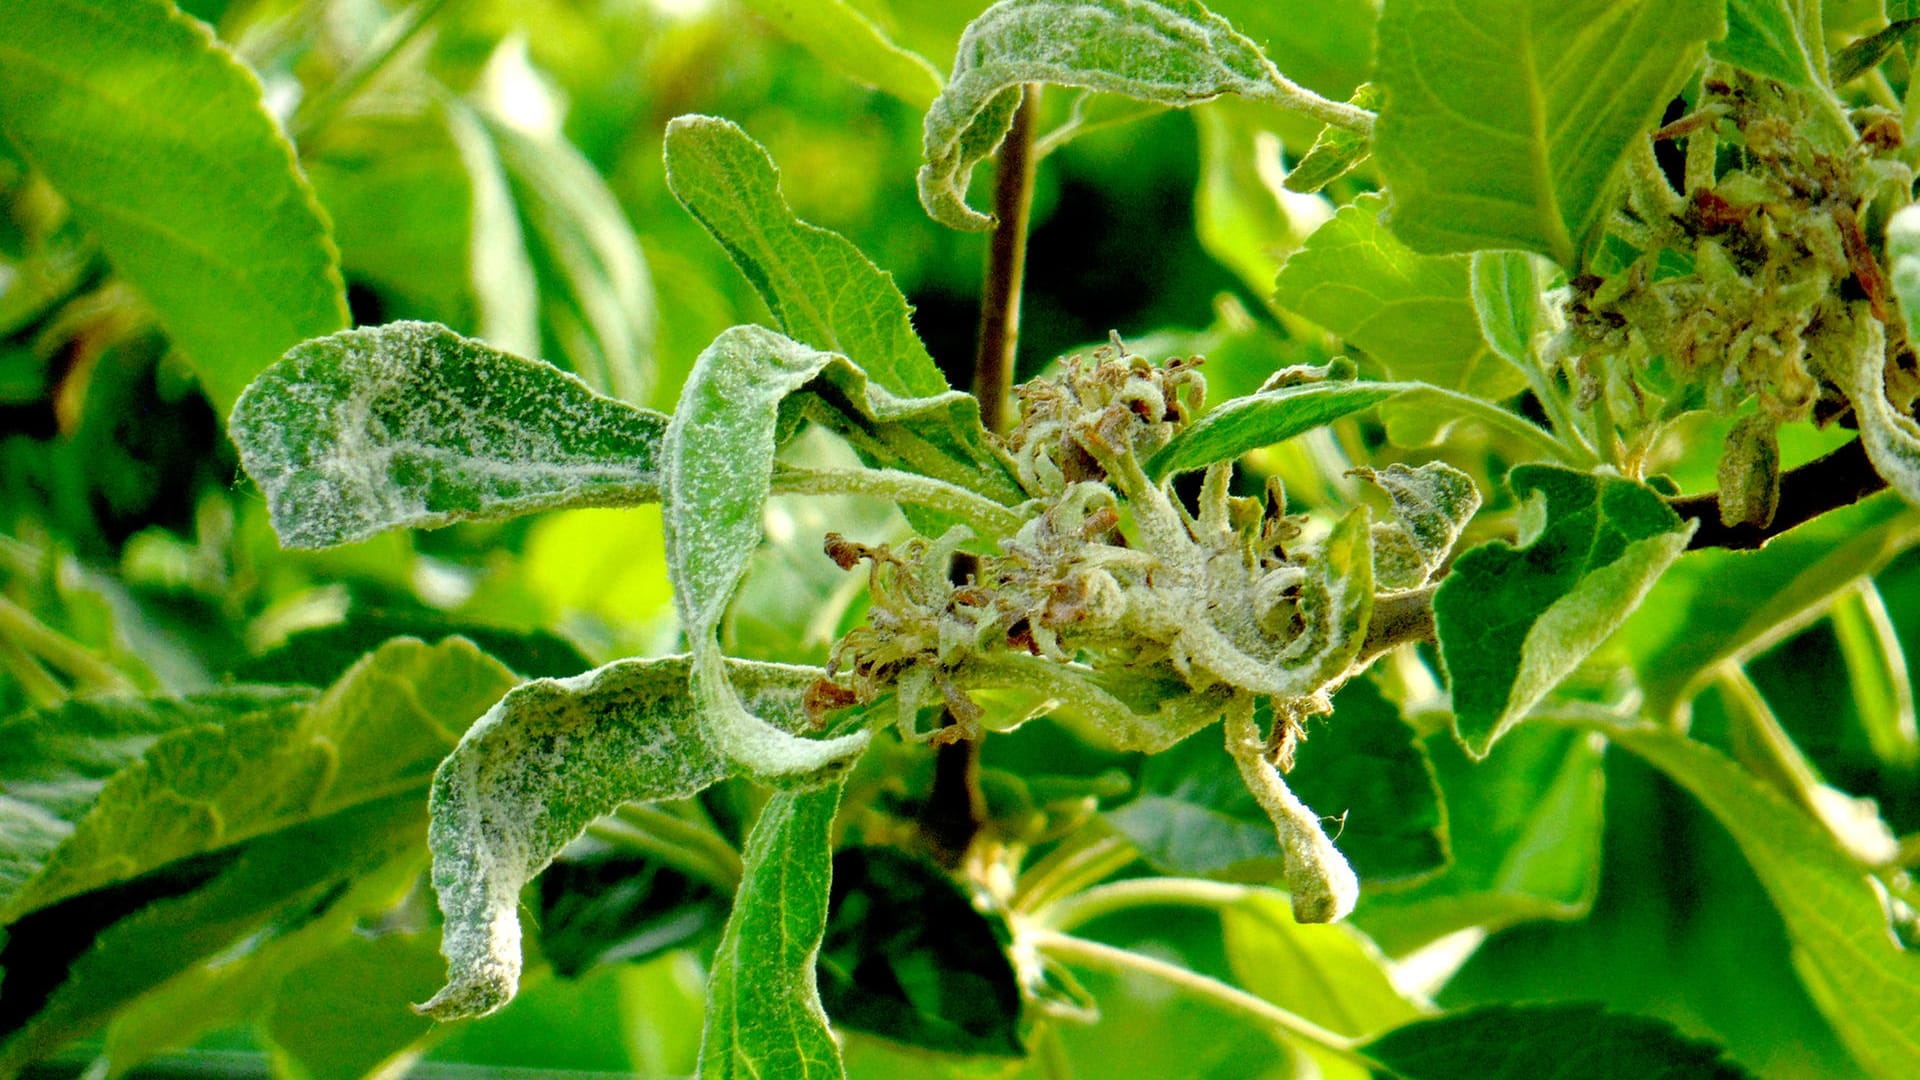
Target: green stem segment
column 988, row 518
column 37, row 639
column 314, row 113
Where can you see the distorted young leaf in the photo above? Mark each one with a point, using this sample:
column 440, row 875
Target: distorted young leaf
column 1414, row 313
column 1515, row 148
column 764, row 1016
column 1512, row 622
column 821, row 290
column 1866, row 53
column 545, row 761
column 1363, row 766
column 1173, row 52
column 226, row 240
column 412, row 425
column 838, row 33
column 596, row 294
column 1864, row 980
column 1263, row 419
column 1568, row 1042
column 1431, row 504
column 1336, row 152
column 380, row 729
column 1720, row 606
column 908, row 956
column 1523, row 830
column 1766, row 37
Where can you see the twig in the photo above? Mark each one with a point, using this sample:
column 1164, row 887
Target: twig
column 1397, row 620
column 1841, row 478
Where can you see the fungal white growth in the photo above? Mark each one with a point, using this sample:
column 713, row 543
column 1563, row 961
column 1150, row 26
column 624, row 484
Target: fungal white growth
column 412, row 425
column 1431, row 504
column 1320, row 882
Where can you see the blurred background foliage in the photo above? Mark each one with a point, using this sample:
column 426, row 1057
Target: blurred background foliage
column 499, row 170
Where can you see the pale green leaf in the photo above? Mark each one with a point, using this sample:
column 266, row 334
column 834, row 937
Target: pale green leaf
column 821, row 290
column 1518, row 145
column 1568, row 1042
column 544, row 762
column 1336, row 151
column 1414, row 313
column 1512, row 622
column 1242, row 217
column 499, row 269
column 156, row 136
column 1431, row 504
column 1263, row 419
column 837, row 32
column 1506, row 299
column 1172, row 52
column 1859, row 975
column 1763, row 36
column 1427, row 416
column 379, row 731
column 595, row 293
column 1877, row 671
column 411, row 425
column 764, row 1017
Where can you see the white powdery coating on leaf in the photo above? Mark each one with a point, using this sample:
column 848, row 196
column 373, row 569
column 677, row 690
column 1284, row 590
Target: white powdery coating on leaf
column 1322, row 885
column 1172, row 52
column 412, row 425
column 532, row 774
column 1431, row 505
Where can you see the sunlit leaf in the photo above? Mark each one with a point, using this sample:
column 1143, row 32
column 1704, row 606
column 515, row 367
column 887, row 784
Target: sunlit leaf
column 411, row 425
column 1518, row 145
column 1569, row 1042
column 1764, row 37
column 838, row 33
column 1263, row 419
column 157, row 137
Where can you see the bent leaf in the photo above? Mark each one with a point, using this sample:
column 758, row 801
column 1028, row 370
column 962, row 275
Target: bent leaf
column 1171, row 52
column 838, row 33
column 1763, row 36
column 821, row 290
column 764, row 1016
column 158, row 139
column 1518, row 145
column 1512, row 622
column 1431, row 504
column 1263, row 419
column 1567, row 1042
column 411, row 425
column 1414, row 313
column 545, row 761
column 1858, row 973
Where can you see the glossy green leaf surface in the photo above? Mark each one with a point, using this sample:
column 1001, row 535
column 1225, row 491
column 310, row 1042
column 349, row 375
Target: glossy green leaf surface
column 840, row 34
column 1412, row 312
column 538, row 767
column 764, row 1016
column 821, row 290
column 411, row 425
column 225, row 239
column 1512, row 622
column 1571, row 1042
column 1518, row 146
column 1263, row 419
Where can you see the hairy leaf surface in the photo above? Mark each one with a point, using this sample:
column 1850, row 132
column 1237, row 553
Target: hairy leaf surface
column 764, row 1016
column 157, row 137
column 1518, row 144
column 412, row 425
column 1512, row 622
column 544, row 762
column 1414, row 313
column 1431, row 505
column 821, row 290
column 1173, row 52
column 1263, row 419
column 1568, row 1042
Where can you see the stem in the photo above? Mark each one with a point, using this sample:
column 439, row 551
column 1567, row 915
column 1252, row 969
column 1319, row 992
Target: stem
column 315, row 112
column 40, row 640
column 681, row 844
column 988, row 518
column 1119, row 961
column 41, row 688
column 1839, row 479
column 1068, row 870
column 1397, row 620
column 1335, row 113
column 1778, row 759
column 1102, row 900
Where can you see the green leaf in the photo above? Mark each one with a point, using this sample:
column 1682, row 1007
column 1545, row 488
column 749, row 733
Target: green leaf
column 595, row 292
column 764, row 1016
column 412, row 425
column 1512, row 622
column 837, row 32
column 1763, row 36
column 1431, row 505
column 545, row 761
column 1715, row 607
column 1865, row 54
column 156, row 136
column 1864, row 981
column 1336, row 151
column 214, row 784
column 1518, row 146
column 1877, row 671
column 821, row 290
column 1263, row 419
column 1524, row 831
column 1425, row 416
column 361, row 986
column 1172, row 52
column 1507, row 301
column 1567, row 1042
column 1194, row 815
column 1414, row 313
